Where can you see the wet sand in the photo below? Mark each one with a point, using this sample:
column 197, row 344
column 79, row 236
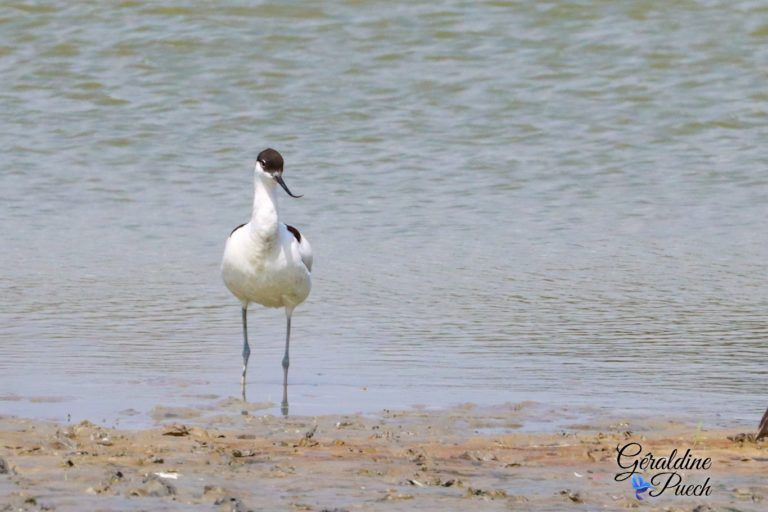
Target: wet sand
column 235, row 458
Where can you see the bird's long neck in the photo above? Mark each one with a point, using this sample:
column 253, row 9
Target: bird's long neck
column 264, row 216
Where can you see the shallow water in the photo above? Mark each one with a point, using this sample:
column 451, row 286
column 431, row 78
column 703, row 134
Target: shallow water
column 552, row 201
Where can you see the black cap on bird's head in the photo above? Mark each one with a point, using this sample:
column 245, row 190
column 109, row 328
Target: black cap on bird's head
column 271, row 162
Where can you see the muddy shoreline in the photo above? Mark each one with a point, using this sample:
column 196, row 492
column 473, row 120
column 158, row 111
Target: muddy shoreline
column 453, row 459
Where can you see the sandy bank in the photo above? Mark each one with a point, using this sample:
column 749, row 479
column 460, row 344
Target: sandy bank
column 456, row 459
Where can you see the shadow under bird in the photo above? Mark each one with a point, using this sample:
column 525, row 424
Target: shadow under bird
column 265, row 261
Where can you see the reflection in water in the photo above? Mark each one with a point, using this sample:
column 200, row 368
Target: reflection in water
column 284, row 403
column 544, row 201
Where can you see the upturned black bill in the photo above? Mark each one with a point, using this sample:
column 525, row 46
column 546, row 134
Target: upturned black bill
column 279, row 179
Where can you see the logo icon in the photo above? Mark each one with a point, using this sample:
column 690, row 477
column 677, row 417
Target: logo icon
column 640, row 486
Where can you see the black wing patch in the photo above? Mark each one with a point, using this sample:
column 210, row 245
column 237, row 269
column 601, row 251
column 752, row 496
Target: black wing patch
column 238, row 227
column 295, row 232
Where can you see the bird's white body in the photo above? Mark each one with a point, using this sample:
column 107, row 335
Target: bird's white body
column 268, row 271
column 263, row 261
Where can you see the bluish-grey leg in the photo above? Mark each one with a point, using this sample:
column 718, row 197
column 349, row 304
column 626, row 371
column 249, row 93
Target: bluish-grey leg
column 246, row 350
column 286, row 360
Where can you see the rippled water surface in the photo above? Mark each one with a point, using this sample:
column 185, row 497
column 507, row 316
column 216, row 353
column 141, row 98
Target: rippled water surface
column 556, row 201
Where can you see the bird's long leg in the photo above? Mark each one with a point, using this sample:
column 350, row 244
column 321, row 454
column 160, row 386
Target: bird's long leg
column 286, row 360
column 246, row 349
